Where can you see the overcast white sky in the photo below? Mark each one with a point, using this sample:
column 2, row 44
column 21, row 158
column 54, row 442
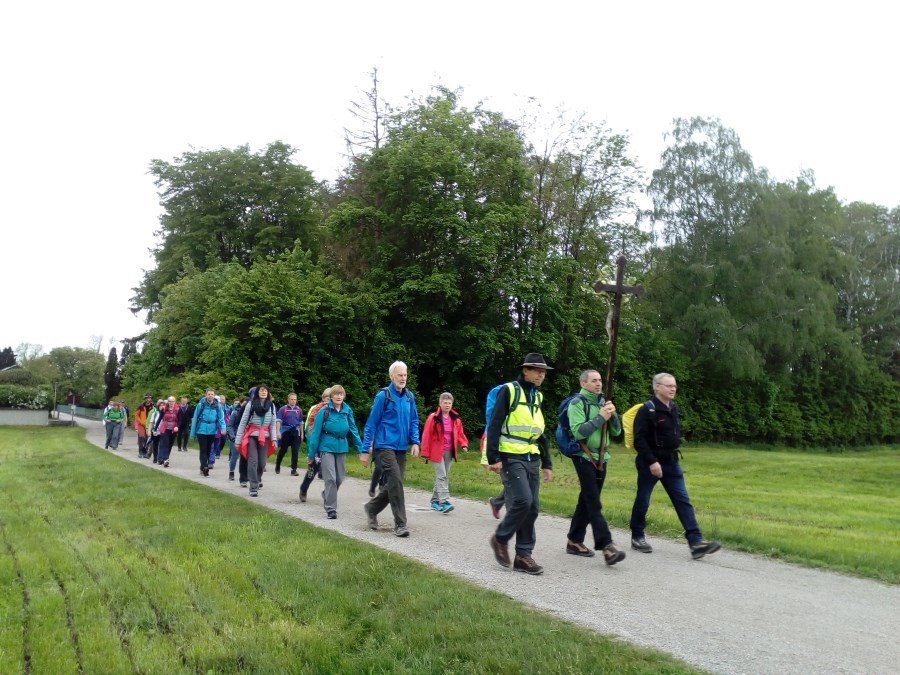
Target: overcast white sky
column 91, row 91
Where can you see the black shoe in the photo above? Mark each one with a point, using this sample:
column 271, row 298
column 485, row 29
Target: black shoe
column 527, row 565
column 231, row 475
column 302, row 496
column 401, row 531
column 277, row 469
column 702, row 548
column 640, row 544
column 294, row 472
column 332, row 515
column 254, row 494
column 205, row 471
column 243, row 484
column 612, row 555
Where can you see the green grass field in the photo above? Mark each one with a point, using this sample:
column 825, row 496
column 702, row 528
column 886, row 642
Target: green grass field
column 107, row 567
column 839, row 511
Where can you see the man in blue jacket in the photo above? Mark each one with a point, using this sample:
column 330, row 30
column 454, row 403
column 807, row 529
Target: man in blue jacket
column 391, row 429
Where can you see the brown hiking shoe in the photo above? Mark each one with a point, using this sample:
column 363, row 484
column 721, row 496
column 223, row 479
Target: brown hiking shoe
column 612, row 555
column 527, row 565
column 501, row 551
column 577, row 548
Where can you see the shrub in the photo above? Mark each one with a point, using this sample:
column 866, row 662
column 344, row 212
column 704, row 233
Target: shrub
column 29, row 398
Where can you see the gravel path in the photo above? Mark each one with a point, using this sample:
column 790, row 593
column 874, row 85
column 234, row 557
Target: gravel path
column 728, row 613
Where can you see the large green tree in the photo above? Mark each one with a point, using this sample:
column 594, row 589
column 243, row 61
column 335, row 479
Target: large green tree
column 229, row 205
column 81, row 371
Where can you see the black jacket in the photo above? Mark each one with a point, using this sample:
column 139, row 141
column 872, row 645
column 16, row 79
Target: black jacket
column 657, row 436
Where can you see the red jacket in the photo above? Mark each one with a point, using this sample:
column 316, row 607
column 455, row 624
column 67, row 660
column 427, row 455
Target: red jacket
column 432, row 447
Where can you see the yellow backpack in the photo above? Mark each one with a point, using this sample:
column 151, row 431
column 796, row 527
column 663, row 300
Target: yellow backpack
column 628, row 421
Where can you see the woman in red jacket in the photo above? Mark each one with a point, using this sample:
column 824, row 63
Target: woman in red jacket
column 442, row 436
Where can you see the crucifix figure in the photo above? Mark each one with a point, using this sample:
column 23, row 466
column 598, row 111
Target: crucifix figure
column 617, row 290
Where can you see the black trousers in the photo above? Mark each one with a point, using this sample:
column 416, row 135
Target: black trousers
column 589, row 510
column 205, row 441
column 182, row 439
column 289, row 438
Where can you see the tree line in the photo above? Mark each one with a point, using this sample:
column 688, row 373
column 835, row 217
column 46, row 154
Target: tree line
column 457, row 240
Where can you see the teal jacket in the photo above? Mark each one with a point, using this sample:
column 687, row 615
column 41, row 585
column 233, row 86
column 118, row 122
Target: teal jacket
column 588, row 427
column 333, row 435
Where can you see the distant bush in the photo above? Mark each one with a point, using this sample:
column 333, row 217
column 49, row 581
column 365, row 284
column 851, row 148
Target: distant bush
column 21, row 377
column 29, row 398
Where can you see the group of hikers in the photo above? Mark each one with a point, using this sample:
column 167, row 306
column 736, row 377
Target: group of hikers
column 514, row 445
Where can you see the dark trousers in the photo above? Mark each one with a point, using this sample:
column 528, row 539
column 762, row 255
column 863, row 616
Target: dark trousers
column 312, row 470
column 673, row 483
column 242, row 468
column 142, row 445
column 589, row 510
column 165, row 445
column 153, row 446
column 393, row 467
column 522, row 481
column 289, row 439
column 205, row 442
column 183, row 432
column 377, row 474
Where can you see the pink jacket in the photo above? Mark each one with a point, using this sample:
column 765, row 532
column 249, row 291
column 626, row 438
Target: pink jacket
column 432, row 447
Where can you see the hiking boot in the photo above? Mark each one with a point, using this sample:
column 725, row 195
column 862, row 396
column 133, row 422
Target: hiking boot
column 501, row 551
column 495, row 509
column 231, row 475
column 332, row 515
column 612, row 555
column 527, row 565
column 401, row 531
column 373, row 518
column 640, row 544
column 436, row 506
column 302, row 497
column 703, row 547
column 577, row 548
column 447, row 507
column 254, row 494
column 294, row 472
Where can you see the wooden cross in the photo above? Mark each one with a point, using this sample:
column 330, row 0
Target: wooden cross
column 618, row 290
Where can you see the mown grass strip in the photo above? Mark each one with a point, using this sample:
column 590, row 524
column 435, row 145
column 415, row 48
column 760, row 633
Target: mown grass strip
column 148, row 574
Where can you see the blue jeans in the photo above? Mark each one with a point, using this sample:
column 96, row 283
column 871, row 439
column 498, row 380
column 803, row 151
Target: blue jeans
column 673, row 483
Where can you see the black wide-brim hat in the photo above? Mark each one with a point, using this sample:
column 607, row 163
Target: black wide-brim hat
column 535, row 360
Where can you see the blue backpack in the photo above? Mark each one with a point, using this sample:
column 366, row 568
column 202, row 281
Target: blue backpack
column 565, row 440
column 492, row 399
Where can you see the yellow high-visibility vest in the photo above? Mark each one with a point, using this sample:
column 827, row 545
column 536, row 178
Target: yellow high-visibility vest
column 524, row 424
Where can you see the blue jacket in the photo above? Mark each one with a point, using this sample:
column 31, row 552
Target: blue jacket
column 290, row 418
column 208, row 418
column 340, row 427
column 394, row 425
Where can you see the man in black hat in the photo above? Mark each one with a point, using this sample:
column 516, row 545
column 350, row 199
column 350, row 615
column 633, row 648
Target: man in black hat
column 515, row 445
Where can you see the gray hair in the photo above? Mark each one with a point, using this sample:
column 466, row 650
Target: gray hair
column 445, row 396
column 659, row 378
column 586, row 374
column 394, row 366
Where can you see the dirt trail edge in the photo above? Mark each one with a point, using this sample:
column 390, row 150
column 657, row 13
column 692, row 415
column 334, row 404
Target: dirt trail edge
column 728, row 613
